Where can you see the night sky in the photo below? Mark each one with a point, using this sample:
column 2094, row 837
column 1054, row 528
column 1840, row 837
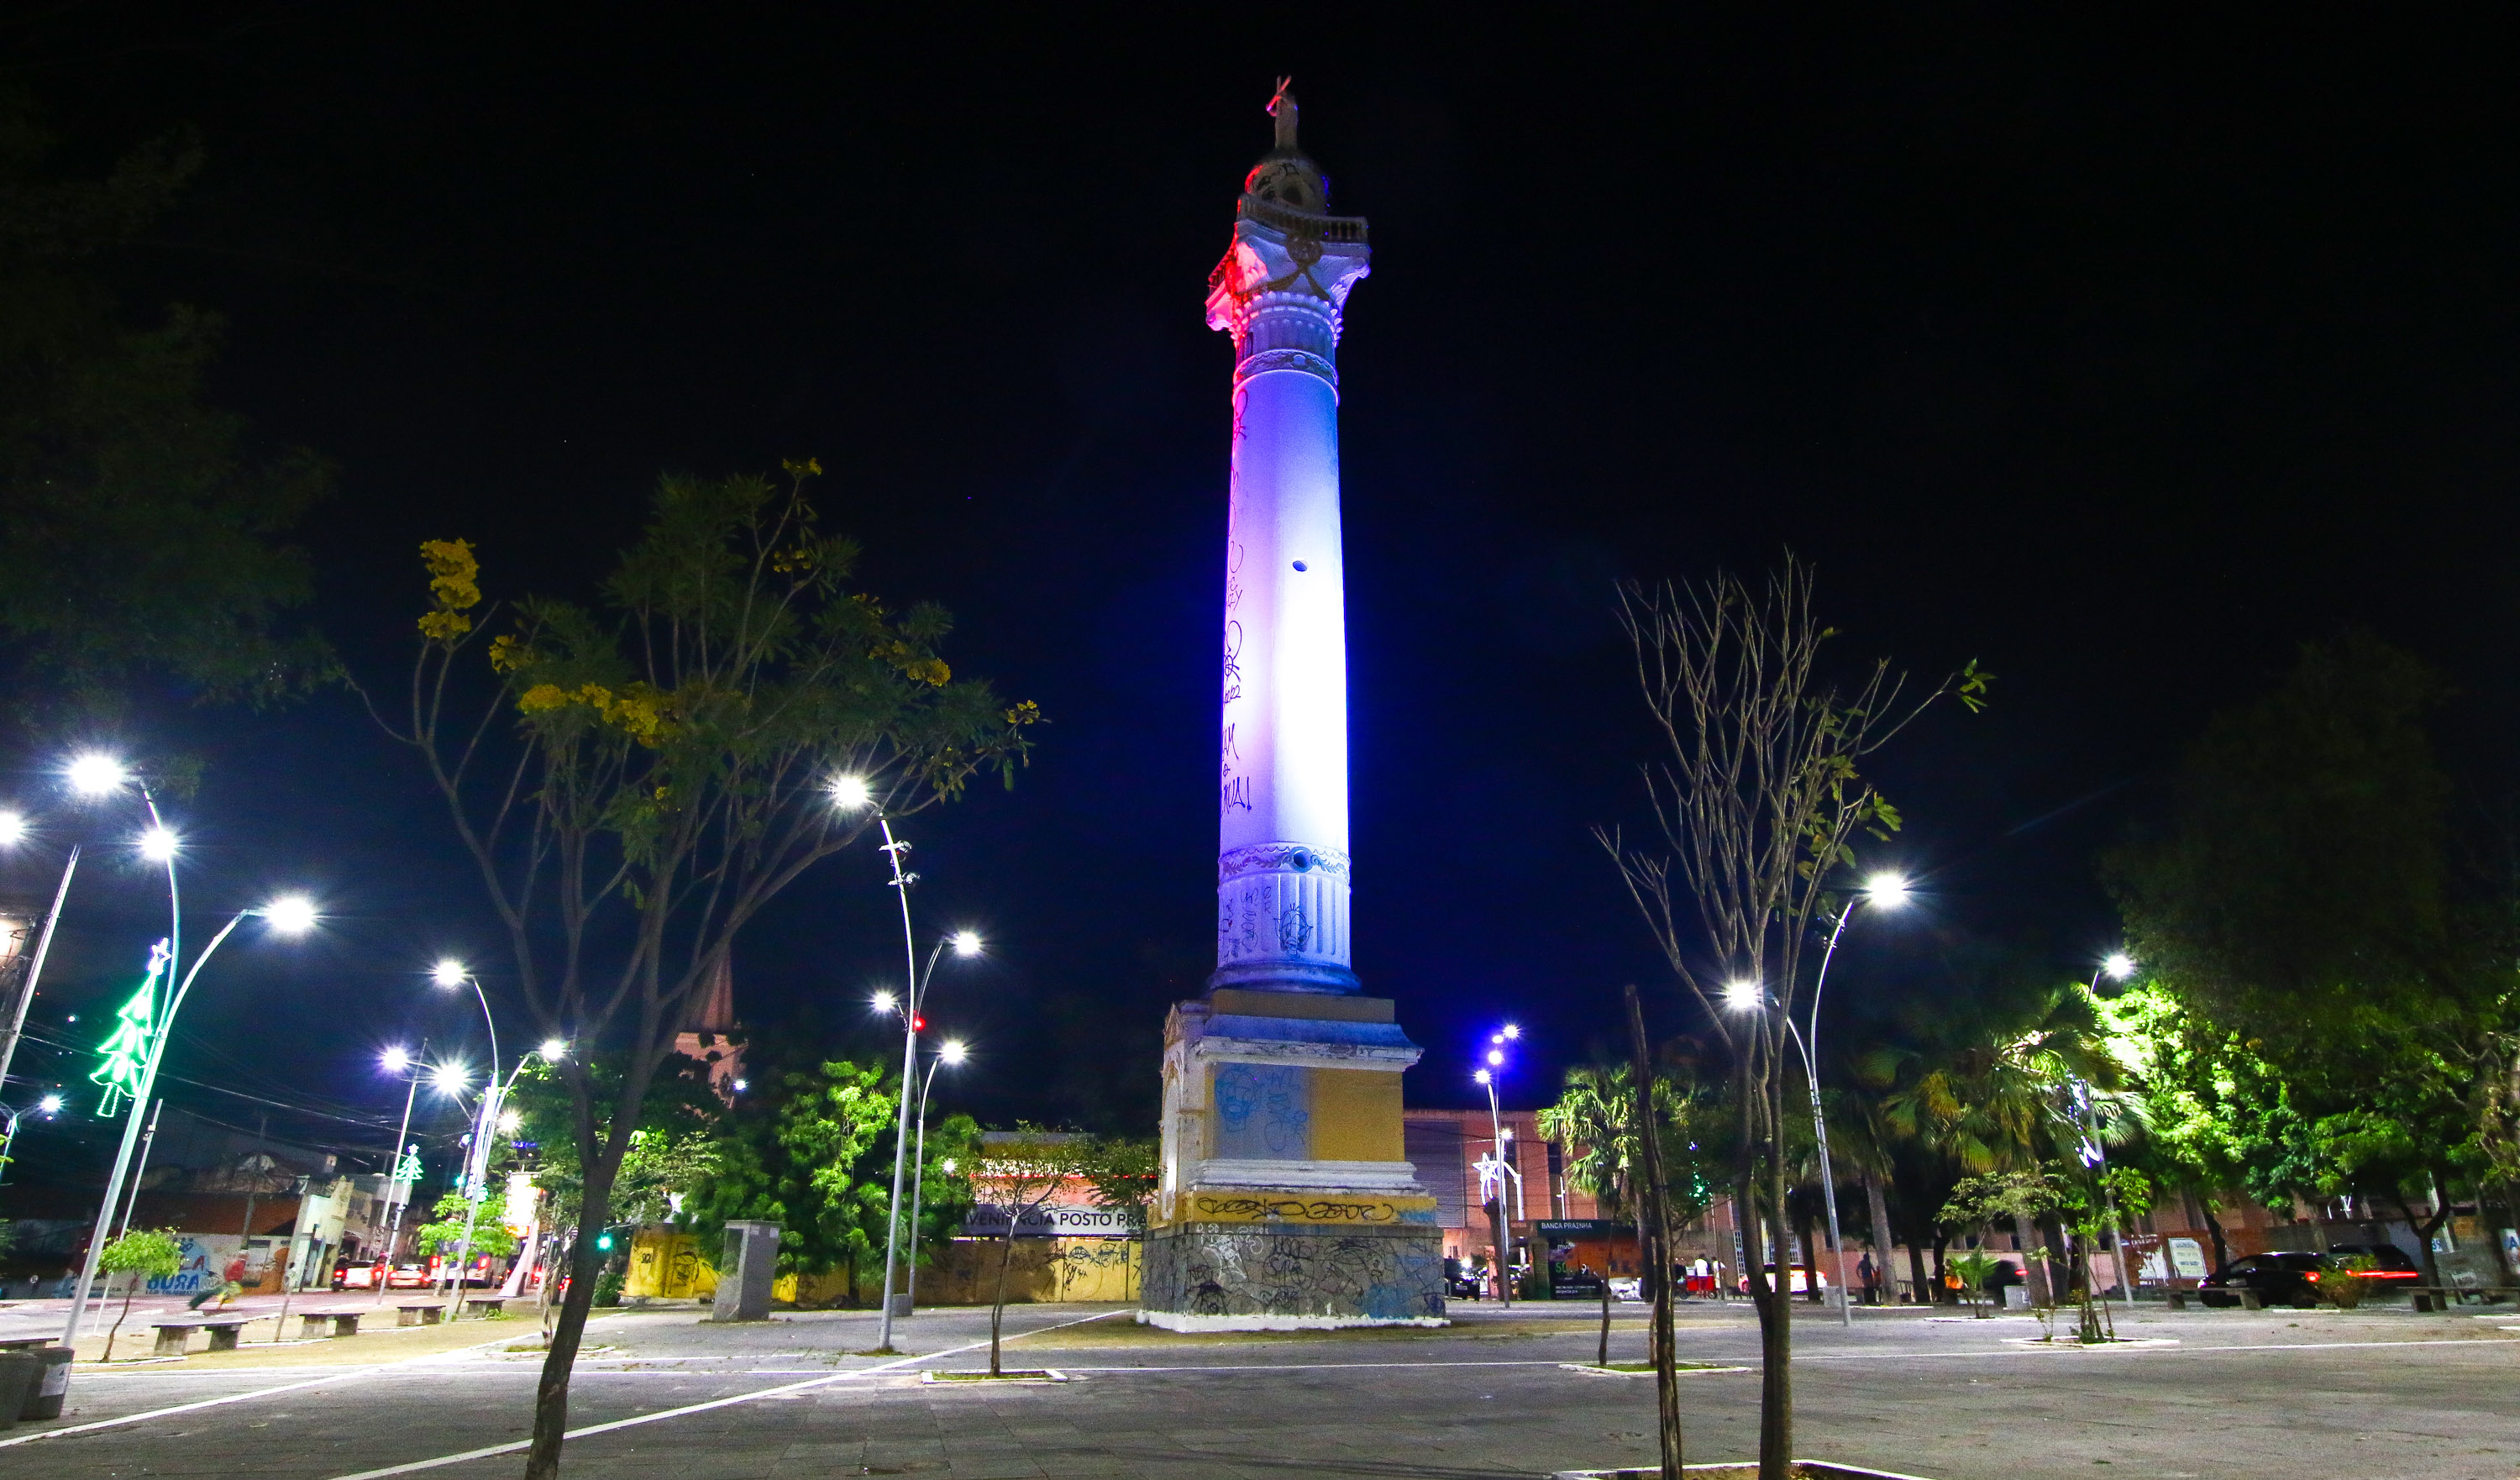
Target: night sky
column 2121, row 355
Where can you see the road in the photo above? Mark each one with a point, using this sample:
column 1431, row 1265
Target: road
column 2378, row 1393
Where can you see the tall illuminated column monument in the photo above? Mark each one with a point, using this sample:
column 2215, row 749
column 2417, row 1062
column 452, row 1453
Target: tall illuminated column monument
column 1286, row 1200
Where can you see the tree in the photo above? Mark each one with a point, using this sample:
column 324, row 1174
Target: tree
column 444, row 1232
column 637, row 782
column 1758, row 798
column 137, row 536
column 809, row 1148
column 144, row 1254
column 2305, row 904
column 1024, row 1173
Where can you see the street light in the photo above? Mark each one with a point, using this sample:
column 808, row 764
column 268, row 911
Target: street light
column 2117, row 966
column 93, row 773
column 398, row 1059
column 1498, row 1169
column 553, row 1050
column 950, row 1052
column 159, row 845
column 1882, row 891
column 283, row 913
column 849, row 794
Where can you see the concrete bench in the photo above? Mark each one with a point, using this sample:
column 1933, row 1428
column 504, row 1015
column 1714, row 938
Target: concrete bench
column 2439, row 1297
column 345, row 1323
column 418, row 1313
column 173, row 1335
column 488, row 1305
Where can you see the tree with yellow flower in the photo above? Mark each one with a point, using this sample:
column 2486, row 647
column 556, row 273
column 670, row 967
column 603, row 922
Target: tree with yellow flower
column 635, row 780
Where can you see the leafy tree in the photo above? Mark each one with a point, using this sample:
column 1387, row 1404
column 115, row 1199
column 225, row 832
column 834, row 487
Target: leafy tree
column 443, row 1234
column 2305, row 905
column 811, row 1150
column 672, row 1149
column 1758, row 797
column 145, row 1254
column 136, row 533
column 635, row 783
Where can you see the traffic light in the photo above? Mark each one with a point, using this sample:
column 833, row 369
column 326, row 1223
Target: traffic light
column 603, row 1242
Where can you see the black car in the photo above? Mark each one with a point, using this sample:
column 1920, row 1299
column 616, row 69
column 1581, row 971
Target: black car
column 2292, row 1279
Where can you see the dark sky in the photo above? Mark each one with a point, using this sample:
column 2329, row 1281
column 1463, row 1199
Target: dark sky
column 2122, row 354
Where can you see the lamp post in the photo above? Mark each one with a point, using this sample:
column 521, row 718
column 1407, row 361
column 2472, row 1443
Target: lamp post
column 290, row 915
column 401, row 1060
column 848, row 793
column 2118, row 966
column 1504, row 1175
column 48, row 1106
column 1885, row 891
column 952, row 1052
column 94, row 775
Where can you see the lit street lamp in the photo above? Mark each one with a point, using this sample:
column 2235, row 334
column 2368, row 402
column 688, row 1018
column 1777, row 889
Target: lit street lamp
column 398, row 1186
column 95, row 776
column 1496, row 1169
column 1882, row 891
column 2117, row 966
column 487, row 1118
column 290, row 915
column 849, row 794
column 953, row 1052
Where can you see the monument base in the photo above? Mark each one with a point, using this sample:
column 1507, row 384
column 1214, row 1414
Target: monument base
column 1289, row 1277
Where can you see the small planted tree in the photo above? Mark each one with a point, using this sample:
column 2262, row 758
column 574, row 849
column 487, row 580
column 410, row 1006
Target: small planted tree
column 443, row 1234
column 1758, row 798
column 144, row 1254
column 1021, row 1176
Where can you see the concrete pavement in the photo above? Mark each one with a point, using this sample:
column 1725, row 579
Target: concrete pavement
column 2377, row 1393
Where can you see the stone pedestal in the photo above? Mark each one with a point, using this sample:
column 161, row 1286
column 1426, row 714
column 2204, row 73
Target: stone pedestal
column 746, row 1273
column 1286, row 1201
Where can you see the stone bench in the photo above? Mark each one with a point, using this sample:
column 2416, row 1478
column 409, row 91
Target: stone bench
column 345, row 1323
column 488, row 1305
column 175, row 1336
column 418, row 1313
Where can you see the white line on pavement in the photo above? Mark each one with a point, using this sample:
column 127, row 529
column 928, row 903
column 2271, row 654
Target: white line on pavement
column 781, row 1391
column 343, row 1375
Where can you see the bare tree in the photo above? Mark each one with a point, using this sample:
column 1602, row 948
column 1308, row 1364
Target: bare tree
column 635, row 782
column 1758, row 798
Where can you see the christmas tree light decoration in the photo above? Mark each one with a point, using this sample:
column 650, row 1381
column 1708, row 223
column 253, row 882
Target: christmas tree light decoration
column 126, row 1053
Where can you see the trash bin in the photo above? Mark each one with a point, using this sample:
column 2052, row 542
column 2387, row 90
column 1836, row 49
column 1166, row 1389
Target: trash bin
column 19, row 1371
column 45, row 1394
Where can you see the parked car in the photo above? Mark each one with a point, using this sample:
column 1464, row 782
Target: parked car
column 361, row 1275
column 1795, row 1285
column 2292, row 1279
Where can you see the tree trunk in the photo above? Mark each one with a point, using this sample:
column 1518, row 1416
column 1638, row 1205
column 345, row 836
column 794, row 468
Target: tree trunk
column 130, row 1290
column 2424, row 1230
column 1775, row 1338
column 559, row 1358
column 1919, row 1289
column 997, row 1312
column 1604, row 1358
column 1653, row 1221
column 2034, row 1271
column 1942, row 1275
column 1809, row 1232
column 2213, row 1230
column 1496, row 1248
column 1882, row 1240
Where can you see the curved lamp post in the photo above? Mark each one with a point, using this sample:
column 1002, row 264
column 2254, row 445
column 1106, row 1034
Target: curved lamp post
column 954, row 1053
column 288, row 915
column 1882, row 891
column 1507, row 1181
column 2117, row 966
column 94, row 775
column 849, row 794
column 450, row 973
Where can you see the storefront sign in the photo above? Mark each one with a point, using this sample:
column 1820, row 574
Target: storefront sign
column 989, row 1219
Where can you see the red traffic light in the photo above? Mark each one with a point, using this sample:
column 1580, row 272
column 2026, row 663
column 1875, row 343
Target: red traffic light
column 919, row 1024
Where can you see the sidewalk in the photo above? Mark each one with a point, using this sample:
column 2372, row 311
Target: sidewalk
column 378, row 1338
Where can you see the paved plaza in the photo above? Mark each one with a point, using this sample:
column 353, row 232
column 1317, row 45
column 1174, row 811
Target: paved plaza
column 2360, row 1396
